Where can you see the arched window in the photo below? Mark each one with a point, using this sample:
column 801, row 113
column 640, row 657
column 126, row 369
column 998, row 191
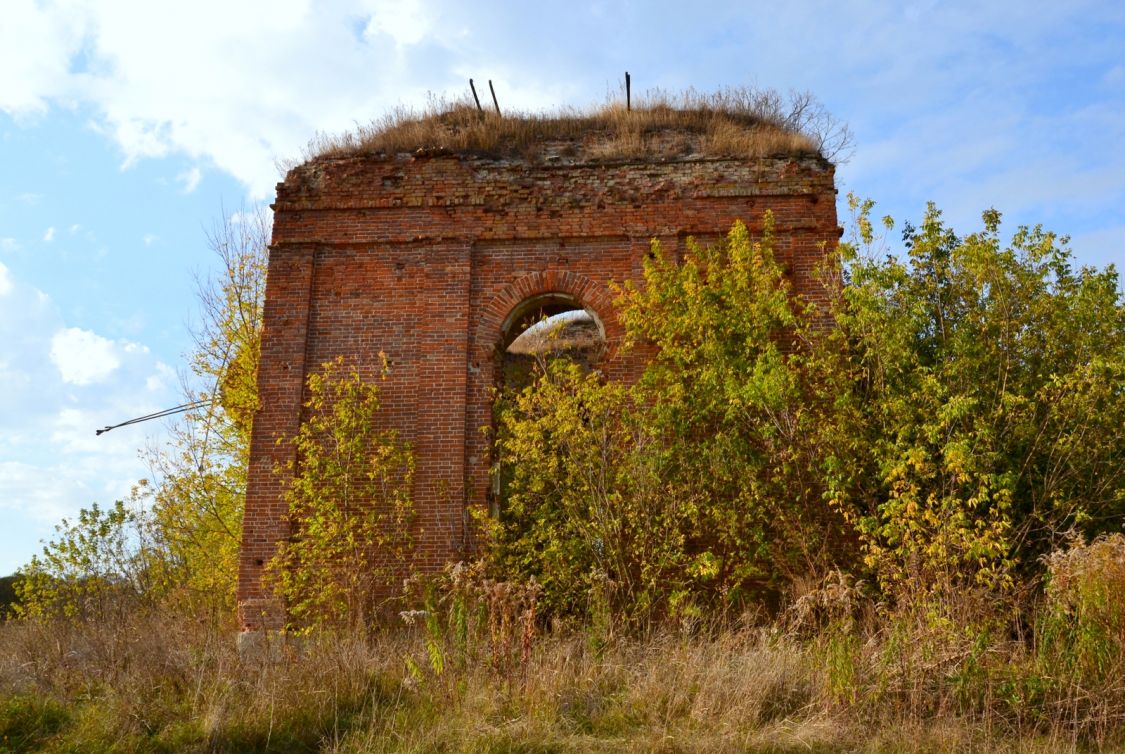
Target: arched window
column 548, row 326
column 541, row 328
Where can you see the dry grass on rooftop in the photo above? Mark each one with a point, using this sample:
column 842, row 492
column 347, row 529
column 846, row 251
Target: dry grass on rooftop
column 743, row 123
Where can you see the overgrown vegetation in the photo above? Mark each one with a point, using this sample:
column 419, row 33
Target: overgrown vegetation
column 731, row 123
column 987, row 409
column 948, row 420
column 199, row 477
column 692, row 490
column 887, row 521
column 466, row 675
column 349, row 506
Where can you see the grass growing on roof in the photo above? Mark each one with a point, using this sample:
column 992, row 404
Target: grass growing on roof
column 739, row 122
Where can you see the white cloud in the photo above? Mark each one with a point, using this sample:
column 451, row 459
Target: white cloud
column 150, row 238
column 5, row 280
column 36, row 44
column 49, row 235
column 162, row 380
column 240, row 92
column 9, row 244
column 405, row 21
column 51, row 461
column 83, row 357
column 189, row 179
column 29, row 489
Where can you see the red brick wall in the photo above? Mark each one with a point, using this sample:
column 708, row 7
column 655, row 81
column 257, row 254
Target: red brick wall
column 423, row 258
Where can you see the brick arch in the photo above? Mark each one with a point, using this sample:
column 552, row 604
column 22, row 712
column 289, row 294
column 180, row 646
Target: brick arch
column 587, row 293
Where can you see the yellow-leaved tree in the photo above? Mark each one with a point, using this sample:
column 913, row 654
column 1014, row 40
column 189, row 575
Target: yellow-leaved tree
column 350, row 509
column 176, row 539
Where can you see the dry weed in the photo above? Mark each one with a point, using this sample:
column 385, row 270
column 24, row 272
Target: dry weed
column 738, row 122
column 159, row 682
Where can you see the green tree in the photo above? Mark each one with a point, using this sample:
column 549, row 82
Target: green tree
column 584, row 510
column 728, row 386
column 177, row 539
column 988, row 402
column 950, row 417
column 200, row 473
column 349, row 502
column 696, row 486
column 99, row 566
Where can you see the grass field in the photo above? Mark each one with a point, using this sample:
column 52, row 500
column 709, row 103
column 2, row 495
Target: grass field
column 160, row 682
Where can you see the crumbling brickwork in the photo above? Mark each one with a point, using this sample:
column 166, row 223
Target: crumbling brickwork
column 423, row 258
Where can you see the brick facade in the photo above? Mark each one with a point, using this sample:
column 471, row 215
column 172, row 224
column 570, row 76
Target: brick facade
column 424, row 258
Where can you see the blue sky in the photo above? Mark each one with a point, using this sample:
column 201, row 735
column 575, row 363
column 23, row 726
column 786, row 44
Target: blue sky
column 127, row 126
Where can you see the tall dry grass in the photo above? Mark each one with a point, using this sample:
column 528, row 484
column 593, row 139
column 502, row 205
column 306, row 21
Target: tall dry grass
column 160, row 684
column 730, row 123
column 472, row 671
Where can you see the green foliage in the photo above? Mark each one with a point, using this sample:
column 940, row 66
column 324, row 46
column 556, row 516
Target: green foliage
column 8, row 597
column 987, row 407
column 730, row 394
column 349, row 505
column 953, row 413
column 841, row 653
column 96, row 566
column 689, row 489
column 27, row 722
column 1082, row 629
column 584, row 506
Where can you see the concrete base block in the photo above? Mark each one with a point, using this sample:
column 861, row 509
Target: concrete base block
column 261, row 646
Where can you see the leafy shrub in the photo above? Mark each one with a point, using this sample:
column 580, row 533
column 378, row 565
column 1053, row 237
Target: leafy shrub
column 950, row 412
column 349, row 502
column 985, row 412
column 105, row 561
column 692, row 489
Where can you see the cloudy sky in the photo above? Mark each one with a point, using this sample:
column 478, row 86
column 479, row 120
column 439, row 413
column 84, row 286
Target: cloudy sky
column 127, row 127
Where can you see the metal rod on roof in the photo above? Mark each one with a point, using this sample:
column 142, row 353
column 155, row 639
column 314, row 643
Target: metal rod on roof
column 475, row 97
column 628, row 92
column 494, row 102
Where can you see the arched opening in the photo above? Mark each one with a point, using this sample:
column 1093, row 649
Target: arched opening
column 538, row 330
column 544, row 327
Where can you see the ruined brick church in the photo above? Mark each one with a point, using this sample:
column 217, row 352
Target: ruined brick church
column 440, row 257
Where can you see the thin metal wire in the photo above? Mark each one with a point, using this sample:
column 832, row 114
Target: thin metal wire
column 157, row 415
